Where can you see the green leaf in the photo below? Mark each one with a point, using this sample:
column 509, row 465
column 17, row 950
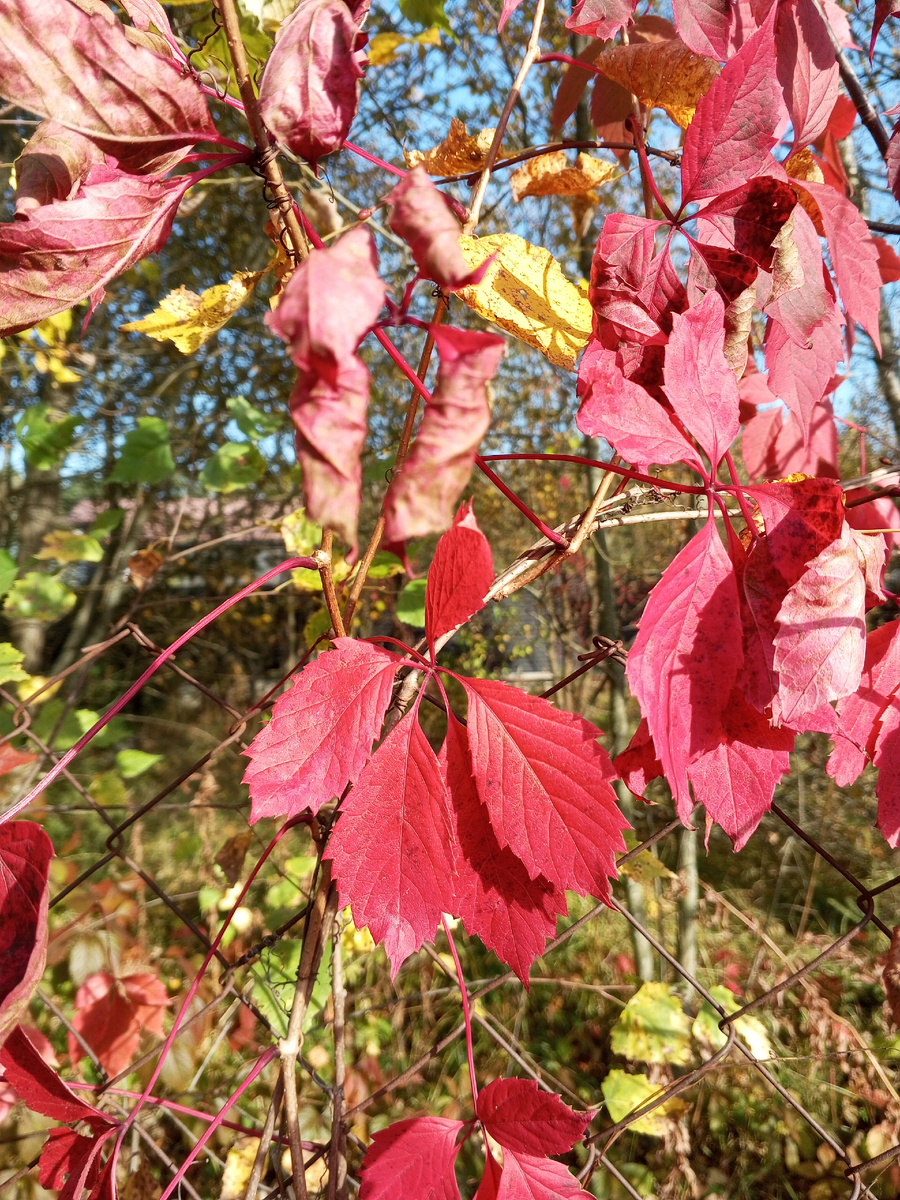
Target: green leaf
column 411, row 603
column 750, row 1029
column 234, row 466
column 10, row 660
column 8, row 570
column 132, row 763
column 39, row 597
column 384, row 565
column 106, row 522
column 109, row 789
column 146, row 455
column 45, row 437
column 66, row 547
column 303, row 537
column 75, row 723
column 317, row 625
column 624, row 1093
column 426, row 13
column 653, row 1027
column 253, row 422
column 212, row 46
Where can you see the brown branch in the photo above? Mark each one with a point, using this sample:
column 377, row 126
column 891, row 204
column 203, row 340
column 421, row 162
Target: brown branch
column 331, row 600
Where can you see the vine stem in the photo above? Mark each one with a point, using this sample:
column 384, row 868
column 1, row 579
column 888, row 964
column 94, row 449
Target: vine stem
column 634, row 125
column 531, row 53
column 337, row 1153
column 373, row 158
column 60, row 765
column 268, row 163
column 331, row 601
column 741, row 498
column 464, row 996
column 637, row 476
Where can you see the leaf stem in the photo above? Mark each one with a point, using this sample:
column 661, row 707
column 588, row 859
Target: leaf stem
column 665, row 485
column 373, row 158
column 633, row 124
column 331, row 600
column 741, row 498
column 464, row 996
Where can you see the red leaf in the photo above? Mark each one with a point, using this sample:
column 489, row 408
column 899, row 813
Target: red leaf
column 731, row 135
column 526, row 1120
column 330, row 303
column 610, row 105
column 69, row 250
column 572, row 85
column 25, row 853
column 861, row 713
column 892, row 162
column 546, row 785
column 459, row 577
column 887, row 761
column 821, row 636
column 302, row 759
column 10, row 758
column 412, row 1160
column 799, row 374
column 425, row 492
column 854, row 257
column 421, row 217
column 53, row 166
column 638, row 765
column 528, row 1178
column 392, row 851
column 494, row 896
column 888, row 261
column 110, row 1014
column 686, row 656
column 750, row 218
column 801, row 518
column 70, row 1163
column 600, row 18
column 704, row 26
column 801, row 298
column 735, row 781
column 773, row 446
column 700, row 385
column 883, row 10
column 614, row 408
column 83, row 72
column 309, row 92
column 807, row 68
column 40, row 1087
column 329, row 415
column 489, row 1187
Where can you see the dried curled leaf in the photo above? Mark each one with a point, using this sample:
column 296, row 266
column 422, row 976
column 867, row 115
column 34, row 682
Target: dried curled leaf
column 664, row 75
column 459, row 152
column 189, row 320
column 554, row 175
column 525, row 292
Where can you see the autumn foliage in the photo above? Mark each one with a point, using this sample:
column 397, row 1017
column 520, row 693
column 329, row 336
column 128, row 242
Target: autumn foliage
column 742, row 288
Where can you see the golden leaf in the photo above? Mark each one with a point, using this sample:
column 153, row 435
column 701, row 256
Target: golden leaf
column 189, row 320
column 802, row 166
column 526, row 293
column 458, row 153
column 552, row 175
column 142, row 566
column 383, row 47
column 662, row 75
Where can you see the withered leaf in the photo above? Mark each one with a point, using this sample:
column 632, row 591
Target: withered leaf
column 525, row 292
column 188, row 320
column 459, row 152
column 231, row 857
column 553, row 175
column 664, row 75
column 891, row 976
column 143, row 565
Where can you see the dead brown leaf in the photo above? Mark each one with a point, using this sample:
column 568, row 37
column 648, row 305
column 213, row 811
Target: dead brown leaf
column 459, row 153
column 553, row 175
column 664, row 75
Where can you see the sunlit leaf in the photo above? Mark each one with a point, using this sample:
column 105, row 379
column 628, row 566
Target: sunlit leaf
column 38, row 597
column 132, row 763
column 411, row 603
column 750, row 1029
column 188, row 320
column 234, row 466
column 45, row 435
column 146, row 456
column 427, row 13
column 624, row 1093
column 664, row 75
column 460, row 152
column 554, row 175
column 66, row 547
column 8, row 570
column 253, row 422
column 11, row 659
column 653, row 1027
column 303, row 538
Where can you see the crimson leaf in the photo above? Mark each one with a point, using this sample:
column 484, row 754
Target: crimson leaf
column 600, row 18
column 412, row 1160
column 392, row 850
column 459, row 577
column 704, row 26
column 39, row 1085
column 528, row 1178
column 526, row 1120
column 303, row 758
column 25, row 853
column 110, row 1014
column 860, row 713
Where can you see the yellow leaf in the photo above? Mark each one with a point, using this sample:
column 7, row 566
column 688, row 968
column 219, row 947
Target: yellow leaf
column 662, row 75
column 526, row 293
column 189, row 320
column 553, row 175
column 802, row 166
column 383, row 48
column 58, row 369
column 274, row 12
column 53, row 330
column 459, row 152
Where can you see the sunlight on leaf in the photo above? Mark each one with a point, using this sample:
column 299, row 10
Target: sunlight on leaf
column 662, row 75
column 384, row 46
column 526, row 293
column 554, row 175
column 459, row 152
column 411, row 604
column 253, row 422
column 11, row 659
column 146, row 455
column 66, row 547
column 303, row 537
column 749, row 1029
column 653, row 1027
column 188, row 320
column 45, row 436
column 38, row 597
column 624, row 1093
column 427, row 13
column 234, row 466
column 8, row 570
column 132, row 763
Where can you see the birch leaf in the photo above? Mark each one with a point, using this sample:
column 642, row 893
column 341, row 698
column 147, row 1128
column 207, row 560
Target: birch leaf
column 525, row 292
column 189, row 320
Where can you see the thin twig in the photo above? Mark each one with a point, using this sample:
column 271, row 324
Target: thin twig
column 337, row 1152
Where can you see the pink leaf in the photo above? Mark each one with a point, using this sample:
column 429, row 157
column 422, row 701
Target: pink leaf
column 638, row 765
column 732, row 133
column 509, row 7
column 883, row 10
column 546, row 785
column 704, row 26
column 69, row 250
column 750, row 218
column 700, row 385
column 773, row 446
column 412, row 1160
column 391, row 851
column 40, row 1087
column 489, row 1187
column 309, row 92
column 630, row 419
column 821, row 635
column 807, row 68
column 494, row 896
column 526, row 1120
column 527, row 1178
column 854, row 257
column 330, row 303
column 861, row 712
column 83, row 72
column 25, row 853
column 459, row 577
column 301, row 759
column 53, row 165
column 600, row 18
column 425, row 492
column 801, row 300
column 886, row 758
column 110, row 1014
column 888, row 261
column 800, row 374
column 421, row 217
column 686, row 656
column 735, row 781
